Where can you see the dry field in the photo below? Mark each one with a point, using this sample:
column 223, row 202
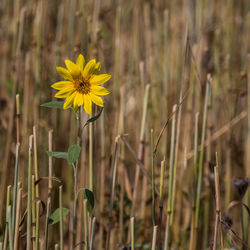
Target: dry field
column 165, row 164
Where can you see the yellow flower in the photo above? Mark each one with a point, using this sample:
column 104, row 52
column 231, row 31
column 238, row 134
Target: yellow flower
column 82, row 83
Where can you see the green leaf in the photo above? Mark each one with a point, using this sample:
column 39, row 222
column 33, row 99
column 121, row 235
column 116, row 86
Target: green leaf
column 63, row 155
column 58, row 105
column 55, row 217
column 73, row 153
column 89, row 196
column 93, row 118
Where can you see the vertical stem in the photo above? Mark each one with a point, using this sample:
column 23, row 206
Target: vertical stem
column 102, row 185
column 153, row 176
column 33, row 213
column 29, row 199
column 47, row 223
column 218, row 213
column 154, row 238
column 170, row 188
column 35, row 159
column 17, row 118
column 132, row 233
column 7, row 218
column 92, row 234
column 37, row 224
column 91, row 155
column 201, row 159
column 61, row 217
column 195, row 167
column 85, row 217
column 50, row 187
column 18, row 210
column 141, row 146
column 15, row 187
column 161, row 199
column 10, row 229
column 114, row 169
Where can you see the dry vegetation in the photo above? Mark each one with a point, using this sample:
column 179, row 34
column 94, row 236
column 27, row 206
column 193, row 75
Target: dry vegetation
column 179, row 97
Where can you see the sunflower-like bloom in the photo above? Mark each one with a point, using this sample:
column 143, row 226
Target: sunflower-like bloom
column 82, row 84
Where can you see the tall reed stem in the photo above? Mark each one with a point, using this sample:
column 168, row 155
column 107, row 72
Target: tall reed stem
column 132, row 233
column 153, row 176
column 61, row 217
column 201, row 159
column 29, row 199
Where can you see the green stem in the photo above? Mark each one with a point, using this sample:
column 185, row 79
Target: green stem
column 201, row 159
column 10, row 229
column 15, row 187
column 153, row 176
column 61, row 217
column 29, row 199
column 91, row 155
column 92, row 234
column 37, row 224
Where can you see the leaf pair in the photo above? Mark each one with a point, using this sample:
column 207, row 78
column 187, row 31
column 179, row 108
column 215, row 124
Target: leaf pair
column 72, row 155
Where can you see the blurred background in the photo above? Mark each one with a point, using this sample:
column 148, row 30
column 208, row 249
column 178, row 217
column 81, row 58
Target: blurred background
column 159, row 53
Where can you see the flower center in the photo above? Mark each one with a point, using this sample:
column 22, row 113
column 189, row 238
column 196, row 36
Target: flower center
column 82, row 86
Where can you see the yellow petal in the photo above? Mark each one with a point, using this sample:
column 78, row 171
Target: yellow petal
column 69, row 100
column 89, row 69
column 99, row 90
column 60, row 85
column 96, row 100
column 80, row 61
column 79, row 99
column 97, row 68
column 99, row 79
column 64, row 73
column 87, row 104
column 65, row 92
column 73, row 68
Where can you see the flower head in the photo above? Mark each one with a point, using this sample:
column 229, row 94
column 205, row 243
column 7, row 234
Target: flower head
column 82, row 83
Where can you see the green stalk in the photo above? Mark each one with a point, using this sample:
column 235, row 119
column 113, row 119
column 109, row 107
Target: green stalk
column 170, row 187
column 153, row 176
column 201, row 159
column 35, row 160
column 91, row 155
column 29, row 199
column 161, row 199
column 92, row 234
column 141, row 146
column 37, row 225
column 85, row 217
column 61, row 217
column 18, row 212
column 33, row 213
column 10, row 229
column 15, row 188
column 132, row 233
column 7, row 220
column 195, row 168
